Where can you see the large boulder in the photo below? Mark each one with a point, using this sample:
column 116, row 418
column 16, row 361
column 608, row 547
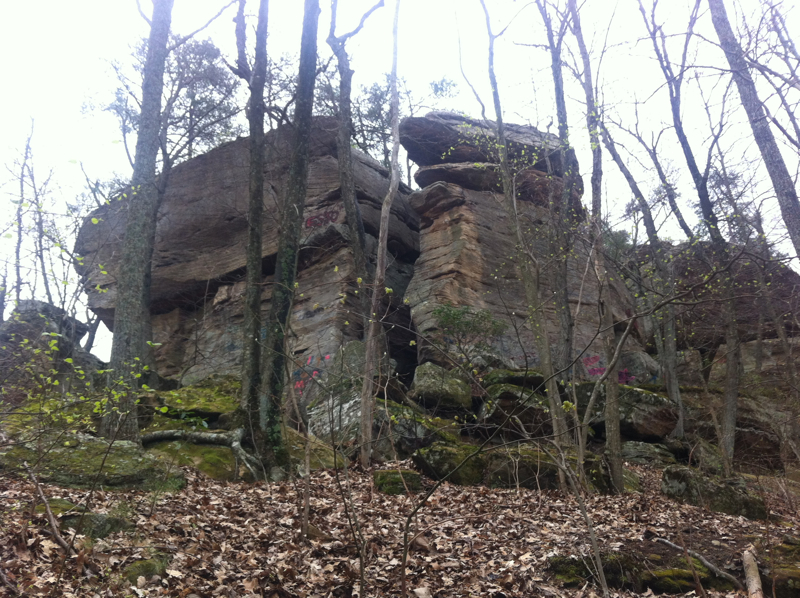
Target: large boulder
column 645, row 453
column 724, row 496
column 441, row 391
column 509, row 466
column 84, row 461
column 517, row 412
column 644, row 415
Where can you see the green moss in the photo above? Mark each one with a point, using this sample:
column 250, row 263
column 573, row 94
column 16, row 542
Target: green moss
column 217, row 462
column 59, row 506
column 570, row 572
column 146, row 568
column 527, row 379
column 215, row 395
column 322, row 455
column 459, row 461
column 395, row 481
column 82, row 461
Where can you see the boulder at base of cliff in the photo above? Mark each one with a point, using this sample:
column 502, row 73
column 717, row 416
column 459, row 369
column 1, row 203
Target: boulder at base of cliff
column 510, row 466
column 517, row 412
column 644, row 453
column 644, row 415
column 82, row 461
column 443, row 392
column 723, row 496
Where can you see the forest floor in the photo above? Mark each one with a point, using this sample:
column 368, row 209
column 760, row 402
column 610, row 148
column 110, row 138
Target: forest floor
column 239, row 539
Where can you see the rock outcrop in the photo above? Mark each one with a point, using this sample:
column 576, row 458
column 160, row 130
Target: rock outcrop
column 199, row 258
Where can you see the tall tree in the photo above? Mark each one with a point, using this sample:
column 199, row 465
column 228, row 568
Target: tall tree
column 358, row 237
column 779, row 174
column 144, row 197
column 255, row 77
column 268, row 431
column 613, row 438
column 374, row 356
column 529, row 263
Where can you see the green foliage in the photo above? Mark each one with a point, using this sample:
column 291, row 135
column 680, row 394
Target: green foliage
column 465, row 331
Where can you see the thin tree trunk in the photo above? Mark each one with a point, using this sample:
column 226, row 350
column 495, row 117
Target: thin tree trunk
column 268, row 434
column 779, row 174
column 358, row 237
column 251, row 346
column 374, row 356
column 613, row 439
column 133, row 279
column 666, row 275
column 529, row 265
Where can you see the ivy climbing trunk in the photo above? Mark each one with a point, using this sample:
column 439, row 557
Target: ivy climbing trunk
column 268, row 432
column 132, row 310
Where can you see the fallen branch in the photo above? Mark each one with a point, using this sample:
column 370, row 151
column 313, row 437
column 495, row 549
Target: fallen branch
column 50, row 517
column 232, row 440
column 751, row 574
column 706, row 563
column 11, row 587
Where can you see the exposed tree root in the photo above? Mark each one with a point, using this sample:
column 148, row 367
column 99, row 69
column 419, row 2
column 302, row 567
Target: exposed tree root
column 232, row 439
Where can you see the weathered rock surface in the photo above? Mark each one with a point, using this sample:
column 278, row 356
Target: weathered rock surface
column 645, row 453
column 517, row 412
column 441, row 391
column 724, row 496
column 397, row 481
column 644, row 415
column 504, row 467
column 84, row 461
column 199, row 258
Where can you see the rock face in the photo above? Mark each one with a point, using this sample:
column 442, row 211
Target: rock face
column 467, row 254
column 199, row 258
column 450, row 243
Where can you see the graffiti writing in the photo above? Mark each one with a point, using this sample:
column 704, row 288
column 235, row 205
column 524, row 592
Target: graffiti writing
column 594, row 367
column 311, row 370
column 326, row 217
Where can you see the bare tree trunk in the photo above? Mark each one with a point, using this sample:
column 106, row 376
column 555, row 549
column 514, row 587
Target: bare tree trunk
column 268, row 433
column 374, row 357
column 666, row 274
column 251, row 327
column 613, row 438
column 779, row 174
column 358, row 238
column 133, row 282
column 529, row 264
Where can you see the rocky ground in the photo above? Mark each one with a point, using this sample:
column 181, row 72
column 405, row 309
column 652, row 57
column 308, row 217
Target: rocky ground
column 216, row 538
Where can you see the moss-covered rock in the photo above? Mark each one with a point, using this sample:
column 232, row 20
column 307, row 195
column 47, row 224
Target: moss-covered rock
column 395, row 481
column 216, row 461
column 443, row 392
column 781, row 564
column 644, row 453
column 461, row 464
column 509, row 466
column 146, row 568
column 210, row 398
column 644, row 415
column 519, row 413
column 637, row 572
column 527, row 379
column 83, row 461
column 723, row 496
column 322, row 455
column 59, row 506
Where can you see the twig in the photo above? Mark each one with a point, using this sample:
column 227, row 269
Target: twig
column 12, row 588
column 50, row 517
column 706, row 563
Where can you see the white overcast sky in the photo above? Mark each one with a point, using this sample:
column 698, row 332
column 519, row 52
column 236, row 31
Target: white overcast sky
column 57, row 55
